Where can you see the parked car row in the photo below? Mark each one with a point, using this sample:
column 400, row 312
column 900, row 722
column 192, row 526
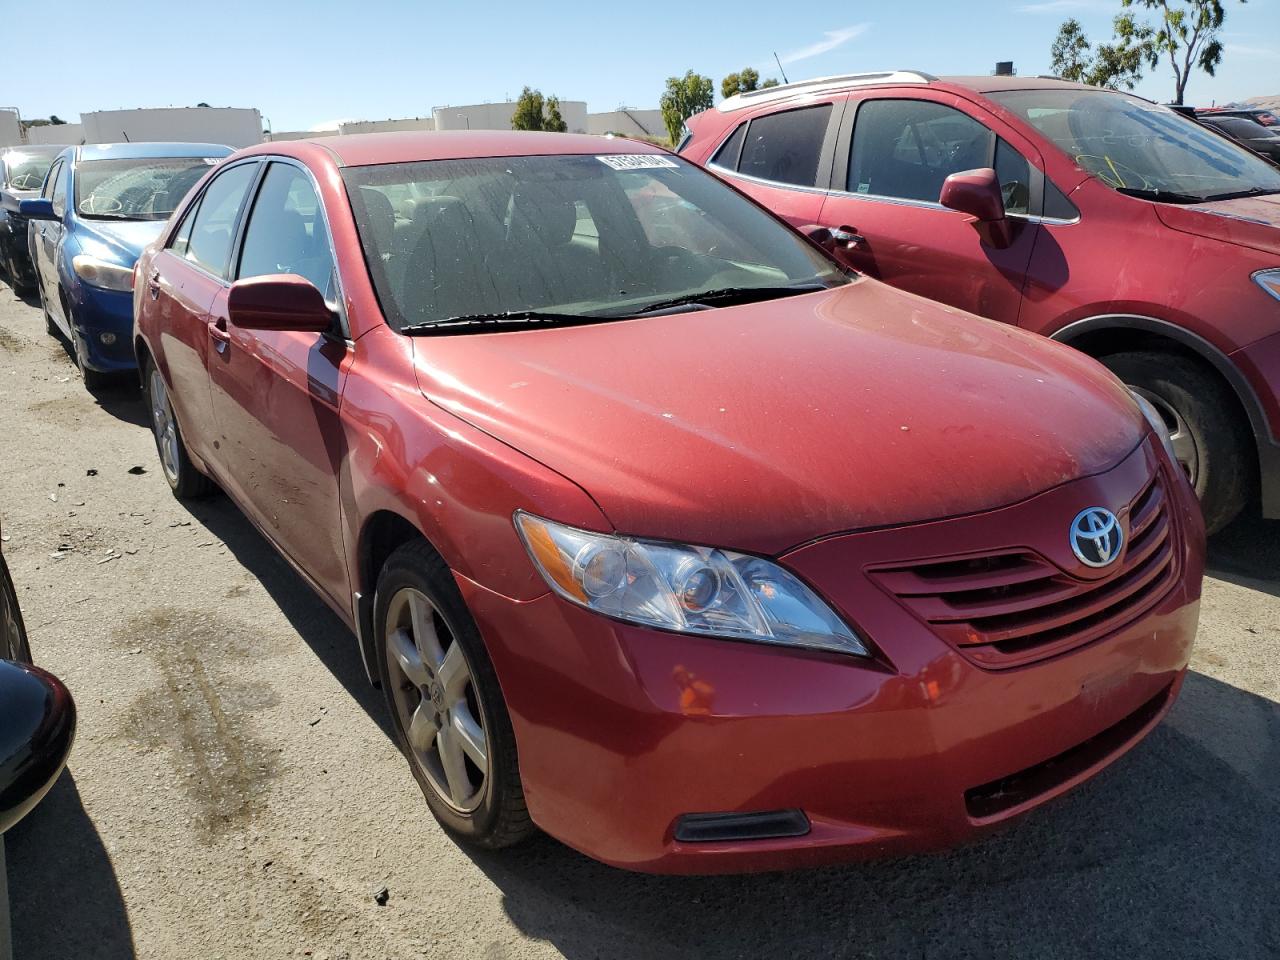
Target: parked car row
column 1092, row 217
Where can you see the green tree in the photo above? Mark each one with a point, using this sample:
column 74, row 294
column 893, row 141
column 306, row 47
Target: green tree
column 771, row 82
column 684, row 97
column 534, row 112
column 1112, row 65
column 742, row 82
column 1185, row 31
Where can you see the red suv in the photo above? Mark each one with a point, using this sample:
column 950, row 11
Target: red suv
column 659, row 529
column 1111, row 223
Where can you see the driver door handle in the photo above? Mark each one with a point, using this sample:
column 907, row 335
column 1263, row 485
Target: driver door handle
column 849, row 235
column 218, row 331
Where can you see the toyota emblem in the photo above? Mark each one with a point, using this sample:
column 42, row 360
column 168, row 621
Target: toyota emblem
column 1096, row 537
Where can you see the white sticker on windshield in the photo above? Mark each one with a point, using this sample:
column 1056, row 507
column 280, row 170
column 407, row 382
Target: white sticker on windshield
column 211, row 161
column 636, row 161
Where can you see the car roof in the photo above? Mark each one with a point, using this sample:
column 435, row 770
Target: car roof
column 366, row 149
column 35, row 149
column 139, row 151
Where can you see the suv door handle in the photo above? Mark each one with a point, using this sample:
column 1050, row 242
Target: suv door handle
column 153, row 284
column 218, row 332
column 849, row 235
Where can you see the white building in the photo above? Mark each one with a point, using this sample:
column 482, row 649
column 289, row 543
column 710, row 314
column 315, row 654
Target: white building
column 56, row 133
column 299, row 134
column 10, row 128
column 628, row 123
column 233, row 126
column 386, row 126
column 497, row 116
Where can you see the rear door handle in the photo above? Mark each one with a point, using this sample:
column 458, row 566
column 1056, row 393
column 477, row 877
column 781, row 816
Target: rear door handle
column 847, row 235
column 153, row 284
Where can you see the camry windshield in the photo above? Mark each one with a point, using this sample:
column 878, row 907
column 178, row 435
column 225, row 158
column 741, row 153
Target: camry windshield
column 25, row 171
column 136, row 189
column 1141, row 148
column 565, row 238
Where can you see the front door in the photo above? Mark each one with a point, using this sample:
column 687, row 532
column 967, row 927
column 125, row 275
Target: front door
column 48, row 240
column 276, row 394
column 893, row 157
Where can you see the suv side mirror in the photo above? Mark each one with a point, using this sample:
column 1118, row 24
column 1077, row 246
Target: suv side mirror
column 38, row 208
column 977, row 193
column 37, row 727
column 278, row 301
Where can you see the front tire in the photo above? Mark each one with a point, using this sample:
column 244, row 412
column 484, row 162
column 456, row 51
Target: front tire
column 450, row 719
column 13, row 633
column 186, row 482
column 1210, row 439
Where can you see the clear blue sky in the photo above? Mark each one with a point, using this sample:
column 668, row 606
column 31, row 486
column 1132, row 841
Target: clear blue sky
column 306, row 64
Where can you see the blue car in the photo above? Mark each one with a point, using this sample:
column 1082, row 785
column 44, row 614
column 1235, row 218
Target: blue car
column 99, row 207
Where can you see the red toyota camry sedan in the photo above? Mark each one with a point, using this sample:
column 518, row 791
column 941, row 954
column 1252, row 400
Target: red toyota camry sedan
column 660, row 530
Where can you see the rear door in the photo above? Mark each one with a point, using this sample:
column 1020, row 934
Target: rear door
column 182, row 282
column 783, row 158
column 276, row 393
column 892, row 157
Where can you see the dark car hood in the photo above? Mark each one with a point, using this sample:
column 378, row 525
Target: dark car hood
column 1249, row 221
column 118, row 240
column 767, row 425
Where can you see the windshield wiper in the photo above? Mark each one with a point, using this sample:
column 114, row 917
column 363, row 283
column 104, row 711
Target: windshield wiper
column 726, row 296
column 1161, row 196
column 1240, row 194
column 480, row 322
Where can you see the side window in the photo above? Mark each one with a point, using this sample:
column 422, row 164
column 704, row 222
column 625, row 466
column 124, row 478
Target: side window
column 51, row 180
column 182, row 239
column 785, row 147
column 286, row 231
column 727, row 155
column 907, row 148
column 215, row 222
column 1056, row 204
column 60, row 191
column 1014, row 174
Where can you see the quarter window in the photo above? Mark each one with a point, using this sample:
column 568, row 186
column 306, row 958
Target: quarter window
column 1014, row 174
column 727, row 155
column 785, row 147
column 215, row 221
column 286, row 231
column 60, row 192
column 907, row 148
column 182, row 239
column 51, row 181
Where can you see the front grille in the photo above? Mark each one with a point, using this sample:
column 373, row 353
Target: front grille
column 1009, row 608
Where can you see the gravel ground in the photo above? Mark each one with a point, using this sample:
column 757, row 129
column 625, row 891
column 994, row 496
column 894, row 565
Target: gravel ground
column 234, row 791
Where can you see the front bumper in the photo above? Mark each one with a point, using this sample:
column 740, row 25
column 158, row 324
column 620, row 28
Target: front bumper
column 95, row 312
column 621, row 731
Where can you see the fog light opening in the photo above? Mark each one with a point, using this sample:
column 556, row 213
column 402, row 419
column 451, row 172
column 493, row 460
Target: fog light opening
column 107, row 339
column 727, row 827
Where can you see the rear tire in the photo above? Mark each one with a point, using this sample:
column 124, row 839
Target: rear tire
column 421, row 620
column 13, row 633
column 1211, row 438
column 186, row 482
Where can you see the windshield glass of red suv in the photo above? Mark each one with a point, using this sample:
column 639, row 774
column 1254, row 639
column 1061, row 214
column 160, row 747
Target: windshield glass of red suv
column 568, row 237
column 1141, row 148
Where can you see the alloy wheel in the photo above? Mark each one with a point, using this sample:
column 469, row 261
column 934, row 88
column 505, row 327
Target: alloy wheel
column 1185, row 449
column 436, row 701
column 12, row 644
column 164, row 426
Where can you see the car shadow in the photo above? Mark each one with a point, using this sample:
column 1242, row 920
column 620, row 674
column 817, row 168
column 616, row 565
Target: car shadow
column 327, row 636
column 65, row 898
column 1169, row 853
column 1247, row 553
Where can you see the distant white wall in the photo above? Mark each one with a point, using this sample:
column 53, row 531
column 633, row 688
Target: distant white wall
column 645, row 123
column 233, row 126
column 386, row 126
column 300, row 134
column 10, row 129
column 61, row 133
column 497, row 116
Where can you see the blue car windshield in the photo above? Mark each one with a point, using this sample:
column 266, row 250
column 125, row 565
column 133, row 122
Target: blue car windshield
column 25, row 171
column 147, row 188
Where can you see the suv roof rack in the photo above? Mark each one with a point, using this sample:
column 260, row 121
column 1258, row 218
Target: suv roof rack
column 822, row 84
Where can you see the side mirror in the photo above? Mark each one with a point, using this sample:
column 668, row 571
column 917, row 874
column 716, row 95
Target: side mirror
column 37, row 727
column 37, row 208
column 278, row 301
column 977, row 193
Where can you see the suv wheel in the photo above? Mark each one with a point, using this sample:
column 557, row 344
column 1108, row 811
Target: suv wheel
column 13, row 634
column 1209, row 439
column 185, row 480
column 446, row 706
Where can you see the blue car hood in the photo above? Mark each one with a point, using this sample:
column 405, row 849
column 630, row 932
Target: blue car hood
column 120, row 241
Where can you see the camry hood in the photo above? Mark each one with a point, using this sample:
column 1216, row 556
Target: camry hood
column 1249, row 221
column 121, row 241
column 767, row 425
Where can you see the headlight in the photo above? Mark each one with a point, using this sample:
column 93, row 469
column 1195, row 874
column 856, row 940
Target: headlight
column 99, row 273
column 1269, row 280
column 1158, row 426
column 683, row 588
